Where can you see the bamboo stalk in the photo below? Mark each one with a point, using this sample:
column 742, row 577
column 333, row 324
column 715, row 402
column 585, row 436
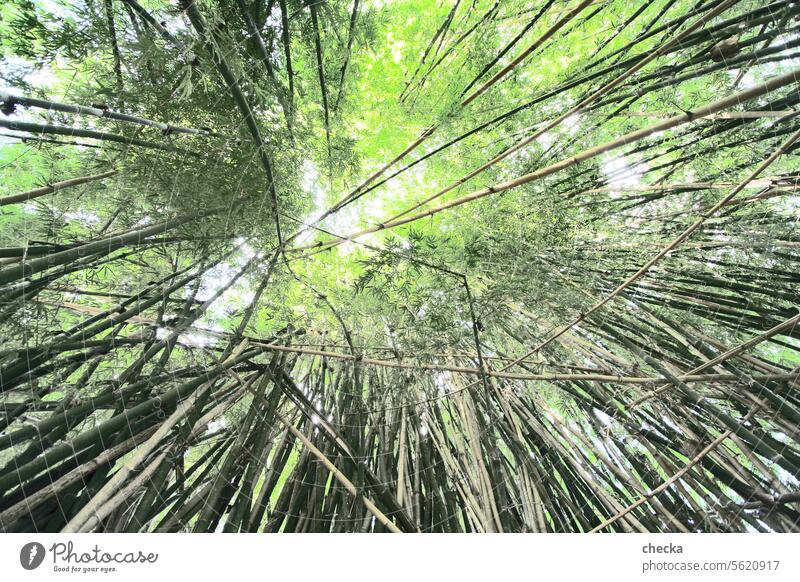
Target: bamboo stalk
column 93, row 111
column 735, row 99
column 55, row 187
column 339, row 475
column 465, row 102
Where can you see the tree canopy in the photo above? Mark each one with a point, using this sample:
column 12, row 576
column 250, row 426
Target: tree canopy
column 407, row 265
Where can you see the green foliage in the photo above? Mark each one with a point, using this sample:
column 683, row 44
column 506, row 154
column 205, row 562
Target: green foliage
column 461, row 289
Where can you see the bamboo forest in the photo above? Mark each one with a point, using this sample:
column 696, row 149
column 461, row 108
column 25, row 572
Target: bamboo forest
column 399, row 266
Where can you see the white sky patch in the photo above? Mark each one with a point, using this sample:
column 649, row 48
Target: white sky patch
column 247, row 250
column 791, row 203
column 174, row 24
column 522, row 154
column 41, row 77
column 748, row 80
column 345, row 249
column 603, row 417
column 217, row 425
column 442, row 382
column 397, row 51
column 58, row 9
column 83, row 216
column 311, row 186
column 344, row 221
column 572, row 123
column 195, row 339
column 619, row 173
column 220, row 276
column 631, row 306
column 545, row 140
column 215, row 279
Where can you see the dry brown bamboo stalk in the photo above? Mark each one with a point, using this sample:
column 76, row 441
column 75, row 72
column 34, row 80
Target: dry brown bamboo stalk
column 755, row 184
column 515, row 376
column 401, row 460
column 726, row 115
column 791, row 322
column 568, row 456
column 714, row 107
column 371, row 507
column 605, row 89
column 699, row 457
column 102, row 511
